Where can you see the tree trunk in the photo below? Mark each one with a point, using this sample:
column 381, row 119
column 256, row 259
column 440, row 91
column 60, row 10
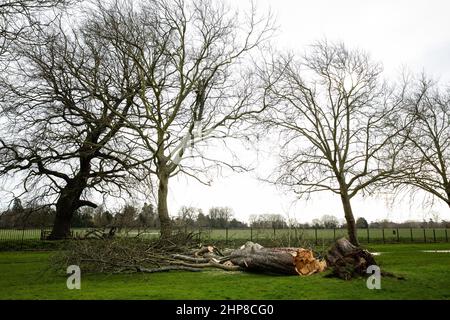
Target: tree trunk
column 264, row 260
column 290, row 261
column 351, row 224
column 67, row 204
column 163, row 212
column 69, row 201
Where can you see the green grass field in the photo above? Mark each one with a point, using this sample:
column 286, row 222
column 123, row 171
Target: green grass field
column 25, row 275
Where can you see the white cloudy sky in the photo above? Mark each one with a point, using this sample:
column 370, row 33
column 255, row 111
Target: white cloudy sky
column 398, row 33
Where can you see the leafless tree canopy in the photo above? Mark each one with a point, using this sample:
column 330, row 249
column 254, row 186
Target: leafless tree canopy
column 129, row 82
column 194, row 84
column 427, row 151
column 18, row 17
column 65, row 99
column 331, row 109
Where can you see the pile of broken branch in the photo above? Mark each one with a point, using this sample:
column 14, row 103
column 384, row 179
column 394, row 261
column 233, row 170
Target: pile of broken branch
column 118, row 255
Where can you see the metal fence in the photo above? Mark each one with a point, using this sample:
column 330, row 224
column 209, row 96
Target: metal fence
column 318, row 236
column 22, row 238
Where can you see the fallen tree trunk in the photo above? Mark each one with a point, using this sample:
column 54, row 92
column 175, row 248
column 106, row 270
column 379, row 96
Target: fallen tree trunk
column 264, row 260
column 289, row 261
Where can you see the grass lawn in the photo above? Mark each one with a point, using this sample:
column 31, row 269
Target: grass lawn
column 25, row 275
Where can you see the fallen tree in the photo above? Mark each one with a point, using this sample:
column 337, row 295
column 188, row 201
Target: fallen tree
column 182, row 252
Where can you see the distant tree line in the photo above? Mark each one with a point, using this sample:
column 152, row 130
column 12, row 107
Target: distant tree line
column 130, row 216
column 19, row 216
column 217, row 217
column 133, row 216
column 331, row 222
column 268, row 221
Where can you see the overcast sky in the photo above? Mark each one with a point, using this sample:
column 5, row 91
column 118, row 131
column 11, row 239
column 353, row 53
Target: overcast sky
column 397, row 33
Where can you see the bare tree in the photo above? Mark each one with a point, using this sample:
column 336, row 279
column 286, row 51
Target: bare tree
column 362, row 223
column 195, row 83
column 220, row 216
column 126, row 218
column 329, row 221
column 427, row 151
column 18, row 17
column 64, row 101
column 188, row 215
column 268, row 221
column 331, row 110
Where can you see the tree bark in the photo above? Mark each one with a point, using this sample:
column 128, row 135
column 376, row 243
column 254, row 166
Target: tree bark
column 264, row 260
column 68, row 202
column 350, row 219
column 163, row 211
column 289, row 261
column 448, row 196
column 347, row 261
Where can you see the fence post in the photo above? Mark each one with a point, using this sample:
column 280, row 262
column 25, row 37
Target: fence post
column 446, row 236
column 411, row 233
column 289, row 236
column 384, row 241
column 434, row 235
column 368, row 235
column 226, row 235
column 21, row 242
column 274, row 233
column 315, row 234
column 398, row 236
column 424, row 236
column 251, row 234
column 334, row 234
